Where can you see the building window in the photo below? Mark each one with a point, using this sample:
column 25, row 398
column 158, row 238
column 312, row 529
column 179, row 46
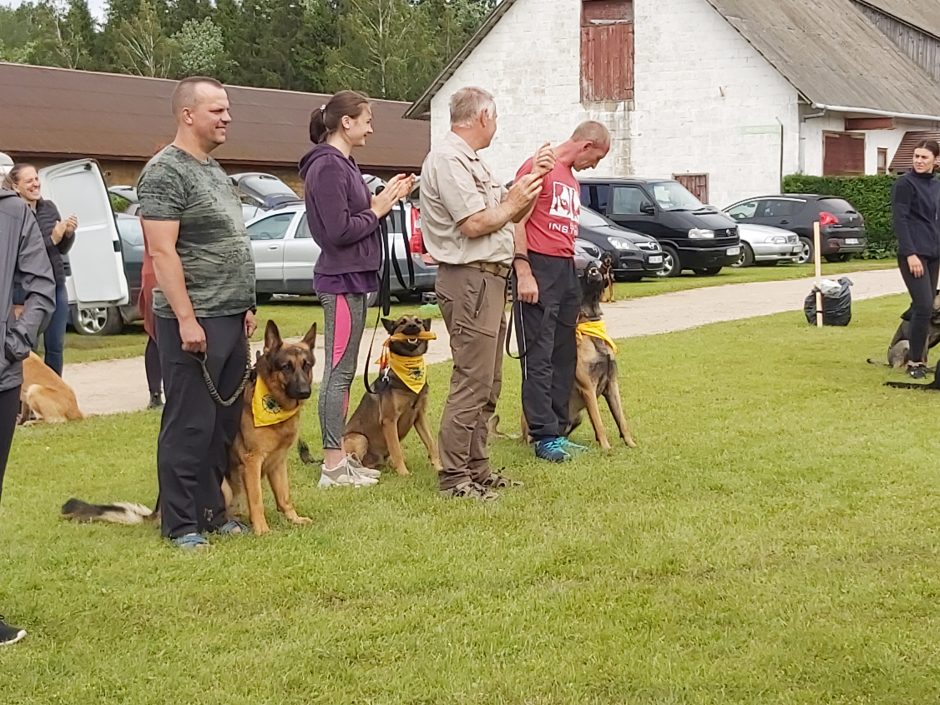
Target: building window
column 606, row 50
column 882, row 160
column 697, row 184
column 843, row 154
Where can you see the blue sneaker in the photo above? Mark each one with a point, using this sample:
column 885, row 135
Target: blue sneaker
column 571, row 447
column 551, row 449
column 190, row 542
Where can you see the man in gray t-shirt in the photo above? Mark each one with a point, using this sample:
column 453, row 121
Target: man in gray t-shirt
column 204, row 305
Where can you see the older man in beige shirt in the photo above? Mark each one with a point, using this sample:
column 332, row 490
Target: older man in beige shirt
column 467, row 218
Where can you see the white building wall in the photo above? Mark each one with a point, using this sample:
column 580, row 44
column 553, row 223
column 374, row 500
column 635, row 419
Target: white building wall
column 815, row 127
column 707, row 102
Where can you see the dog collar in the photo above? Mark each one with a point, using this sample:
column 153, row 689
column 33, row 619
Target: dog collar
column 595, row 329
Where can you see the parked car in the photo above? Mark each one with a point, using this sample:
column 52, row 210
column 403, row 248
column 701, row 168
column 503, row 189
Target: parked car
column 841, row 227
column 692, row 235
column 285, row 253
column 635, row 255
column 264, row 191
column 767, row 245
column 129, row 194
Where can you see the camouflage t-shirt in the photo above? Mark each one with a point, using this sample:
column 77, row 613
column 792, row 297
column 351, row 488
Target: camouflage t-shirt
column 213, row 244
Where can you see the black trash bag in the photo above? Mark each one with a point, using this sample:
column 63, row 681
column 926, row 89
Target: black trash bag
column 837, row 305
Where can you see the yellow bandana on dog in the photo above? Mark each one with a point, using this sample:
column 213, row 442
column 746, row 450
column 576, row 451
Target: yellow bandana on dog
column 595, row 329
column 265, row 410
column 412, row 371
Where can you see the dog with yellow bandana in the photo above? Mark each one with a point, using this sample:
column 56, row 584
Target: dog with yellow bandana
column 398, row 401
column 596, row 371
column 270, row 425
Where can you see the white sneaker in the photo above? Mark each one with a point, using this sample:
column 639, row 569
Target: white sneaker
column 358, row 468
column 343, row 476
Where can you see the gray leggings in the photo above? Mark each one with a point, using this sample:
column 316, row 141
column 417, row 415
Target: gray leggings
column 345, row 319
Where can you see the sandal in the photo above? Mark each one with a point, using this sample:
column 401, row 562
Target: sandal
column 498, row 482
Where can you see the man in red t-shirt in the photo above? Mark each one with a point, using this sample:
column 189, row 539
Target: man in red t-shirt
column 549, row 293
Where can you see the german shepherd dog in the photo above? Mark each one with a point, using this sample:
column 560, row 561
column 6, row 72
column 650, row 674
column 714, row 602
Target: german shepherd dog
column 607, row 271
column 596, row 371
column 285, row 372
column 44, row 395
column 899, row 349
column 384, row 417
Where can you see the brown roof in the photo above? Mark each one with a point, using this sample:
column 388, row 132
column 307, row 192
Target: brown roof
column 921, row 14
column 904, row 157
column 63, row 113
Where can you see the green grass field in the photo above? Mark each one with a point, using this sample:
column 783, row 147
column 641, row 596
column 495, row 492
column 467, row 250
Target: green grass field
column 294, row 315
column 774, row 539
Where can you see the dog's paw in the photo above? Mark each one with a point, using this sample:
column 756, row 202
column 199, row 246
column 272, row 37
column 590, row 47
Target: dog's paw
column 301, row 521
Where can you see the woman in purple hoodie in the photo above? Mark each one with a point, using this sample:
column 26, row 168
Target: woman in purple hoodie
column 344, row 220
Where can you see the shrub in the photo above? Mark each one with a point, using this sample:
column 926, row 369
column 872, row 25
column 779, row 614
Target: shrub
column 871, row 196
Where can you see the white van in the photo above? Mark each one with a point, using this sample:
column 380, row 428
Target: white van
column 97, row 286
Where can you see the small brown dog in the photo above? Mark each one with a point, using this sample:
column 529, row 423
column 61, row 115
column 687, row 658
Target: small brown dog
column 384, row 417
column 607, row 272
column 44, row 395
column 596, row 371
column 270, row 426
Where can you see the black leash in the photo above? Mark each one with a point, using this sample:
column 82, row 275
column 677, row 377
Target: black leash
column 514, row 307
column 385, row 281
column 210, row 385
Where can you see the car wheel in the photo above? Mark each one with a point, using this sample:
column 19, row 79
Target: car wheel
column 672, row 267
column 372, row 299
column 707, row 271
column 264, row 298
column 747, row 256
column 100, row 320
column 806, row 253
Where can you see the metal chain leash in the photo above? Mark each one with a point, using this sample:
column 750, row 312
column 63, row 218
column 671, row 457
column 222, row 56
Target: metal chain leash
column 210, row 385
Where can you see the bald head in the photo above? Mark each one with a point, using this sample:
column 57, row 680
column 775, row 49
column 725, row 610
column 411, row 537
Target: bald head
column 191, row 91
column 591, row 131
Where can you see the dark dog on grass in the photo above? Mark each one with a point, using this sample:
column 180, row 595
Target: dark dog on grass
column 399, row 400
column 596, row 371
column 899, row 349
column 270, row 424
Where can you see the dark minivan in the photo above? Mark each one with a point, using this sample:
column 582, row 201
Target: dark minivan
column 693, row 236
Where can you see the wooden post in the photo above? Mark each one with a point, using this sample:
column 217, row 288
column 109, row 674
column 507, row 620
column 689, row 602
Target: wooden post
column 817, row 260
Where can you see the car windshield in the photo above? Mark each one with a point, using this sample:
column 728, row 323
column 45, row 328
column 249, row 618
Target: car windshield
column 836, row 205
column 673, row 196
column 592, row 219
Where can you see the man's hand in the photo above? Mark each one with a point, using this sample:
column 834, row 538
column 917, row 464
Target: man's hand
column 193, row 336
column 250, row 324
column 916, row 266
column 523, row 192
column 544, row 160
column 527, row 289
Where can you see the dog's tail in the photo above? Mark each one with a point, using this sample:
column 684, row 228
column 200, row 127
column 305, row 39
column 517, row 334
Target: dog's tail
column 304, row 451
column 117, row 513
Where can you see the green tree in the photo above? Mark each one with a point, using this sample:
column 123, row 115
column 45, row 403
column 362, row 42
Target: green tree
column 76, row 37
column 201, row 48
column 141, row 47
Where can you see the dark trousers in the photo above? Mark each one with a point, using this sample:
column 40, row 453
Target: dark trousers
column 9, row 407
column 195, row 431
column 546, row 332
column 53, row 339
column 473, row 305
column 152, row 366
column 922, row 290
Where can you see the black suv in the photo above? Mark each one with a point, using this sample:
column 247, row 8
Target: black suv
column 693, row 236
column 841, row 227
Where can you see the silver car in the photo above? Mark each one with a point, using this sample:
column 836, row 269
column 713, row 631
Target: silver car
column 285, row 253
column 762, row 243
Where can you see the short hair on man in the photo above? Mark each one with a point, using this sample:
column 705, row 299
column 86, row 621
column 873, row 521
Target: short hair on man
column 591, row 131
column 186, row 93
column 467, row 104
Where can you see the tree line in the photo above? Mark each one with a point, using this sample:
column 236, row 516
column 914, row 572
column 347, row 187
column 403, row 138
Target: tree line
column 388, row 48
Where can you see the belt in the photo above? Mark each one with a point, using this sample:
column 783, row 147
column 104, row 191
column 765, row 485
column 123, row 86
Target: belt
column 500, row 270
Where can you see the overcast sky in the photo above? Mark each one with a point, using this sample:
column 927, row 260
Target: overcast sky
column 96, row 6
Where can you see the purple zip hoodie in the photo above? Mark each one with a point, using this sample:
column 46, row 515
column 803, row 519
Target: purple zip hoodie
column 341, row 222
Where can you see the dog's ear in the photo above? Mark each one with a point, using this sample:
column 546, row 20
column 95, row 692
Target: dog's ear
column 272, row 337
column 389, row 325
column 426, row 322
column 311, row 337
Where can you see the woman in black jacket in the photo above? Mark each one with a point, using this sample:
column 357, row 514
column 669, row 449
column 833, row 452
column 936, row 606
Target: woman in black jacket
column 915, row 204
column 59, row 236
